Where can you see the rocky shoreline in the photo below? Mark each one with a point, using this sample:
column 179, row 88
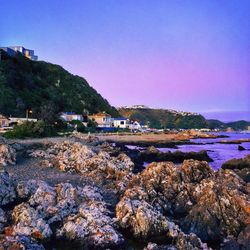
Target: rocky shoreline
column 114, row 206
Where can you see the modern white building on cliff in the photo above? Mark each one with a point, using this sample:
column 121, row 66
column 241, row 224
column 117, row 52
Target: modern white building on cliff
column 13, row 50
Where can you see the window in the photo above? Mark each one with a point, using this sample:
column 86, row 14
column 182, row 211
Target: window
column 122, row 122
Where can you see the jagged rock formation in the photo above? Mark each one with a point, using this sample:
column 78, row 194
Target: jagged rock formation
column 41, row 212
column 214, row 206
column 99, row 166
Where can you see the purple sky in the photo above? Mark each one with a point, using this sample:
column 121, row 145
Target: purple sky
column 187, row 55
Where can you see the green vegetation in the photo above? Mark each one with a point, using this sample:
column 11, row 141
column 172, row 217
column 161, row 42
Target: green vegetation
column 164, row 119
column 31, row 129
column 238, row 125
column 46, row 89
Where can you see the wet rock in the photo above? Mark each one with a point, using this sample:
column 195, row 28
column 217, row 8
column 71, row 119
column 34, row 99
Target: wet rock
column 7, row 188
column 18, row 243
column 239, row 166
column 151, row 154
column 7, row 154
column 241, row 148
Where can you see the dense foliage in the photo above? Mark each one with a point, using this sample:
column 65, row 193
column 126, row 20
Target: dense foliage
column 237, row 125
column 31, row 129
column 46, row 89
column 161, row 118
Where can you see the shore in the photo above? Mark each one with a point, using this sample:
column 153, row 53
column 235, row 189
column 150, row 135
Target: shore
column 87, row 194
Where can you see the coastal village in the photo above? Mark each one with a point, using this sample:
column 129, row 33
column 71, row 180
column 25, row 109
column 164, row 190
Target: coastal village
column 103, row 120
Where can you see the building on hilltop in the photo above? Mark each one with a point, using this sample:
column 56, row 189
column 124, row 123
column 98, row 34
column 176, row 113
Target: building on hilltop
column 13, row 50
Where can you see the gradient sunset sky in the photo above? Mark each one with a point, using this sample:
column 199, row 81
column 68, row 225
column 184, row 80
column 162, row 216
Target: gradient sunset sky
column 191, row 55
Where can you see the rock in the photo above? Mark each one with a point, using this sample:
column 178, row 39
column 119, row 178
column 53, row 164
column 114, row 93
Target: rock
column 241, row 148
column 211, row 205
column 19, row 243
column 7, row 154
column 7, row 189
column 92, row 227
column 66, row 212
column 87, row 139
column 99, row 166
column 182, row 241
column 26, row 188
column 141, row 219
column 152, row 149
column 222, row 208
column 244, row 237
column 3, row 220
column 28, row 222
column 239, row 166
column 154, row 155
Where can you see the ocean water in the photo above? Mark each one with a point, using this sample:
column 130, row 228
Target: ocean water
column 217, row 151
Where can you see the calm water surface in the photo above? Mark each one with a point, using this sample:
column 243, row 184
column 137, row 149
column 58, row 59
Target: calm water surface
column 217, row 151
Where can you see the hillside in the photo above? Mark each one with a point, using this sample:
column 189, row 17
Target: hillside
column 45, row 87
column 237, row 125
column 163, row 118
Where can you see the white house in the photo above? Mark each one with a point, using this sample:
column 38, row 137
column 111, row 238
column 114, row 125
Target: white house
column 120, row 123
column 135, row 126
column 70, row 116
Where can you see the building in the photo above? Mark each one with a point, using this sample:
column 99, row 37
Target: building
column 70, row 116
column 19, row 120
column 102, row 119
column 135, row 125
column 4, row 121
column 28, row 53
column 120, row 122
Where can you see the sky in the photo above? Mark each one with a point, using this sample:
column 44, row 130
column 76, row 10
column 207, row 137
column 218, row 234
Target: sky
column 190, row 55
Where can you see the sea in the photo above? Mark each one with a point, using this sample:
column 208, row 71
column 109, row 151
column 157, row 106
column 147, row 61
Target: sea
column 217, row 151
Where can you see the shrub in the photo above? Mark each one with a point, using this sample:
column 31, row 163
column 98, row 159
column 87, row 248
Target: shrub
column 31, row 129
column 79, row 126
